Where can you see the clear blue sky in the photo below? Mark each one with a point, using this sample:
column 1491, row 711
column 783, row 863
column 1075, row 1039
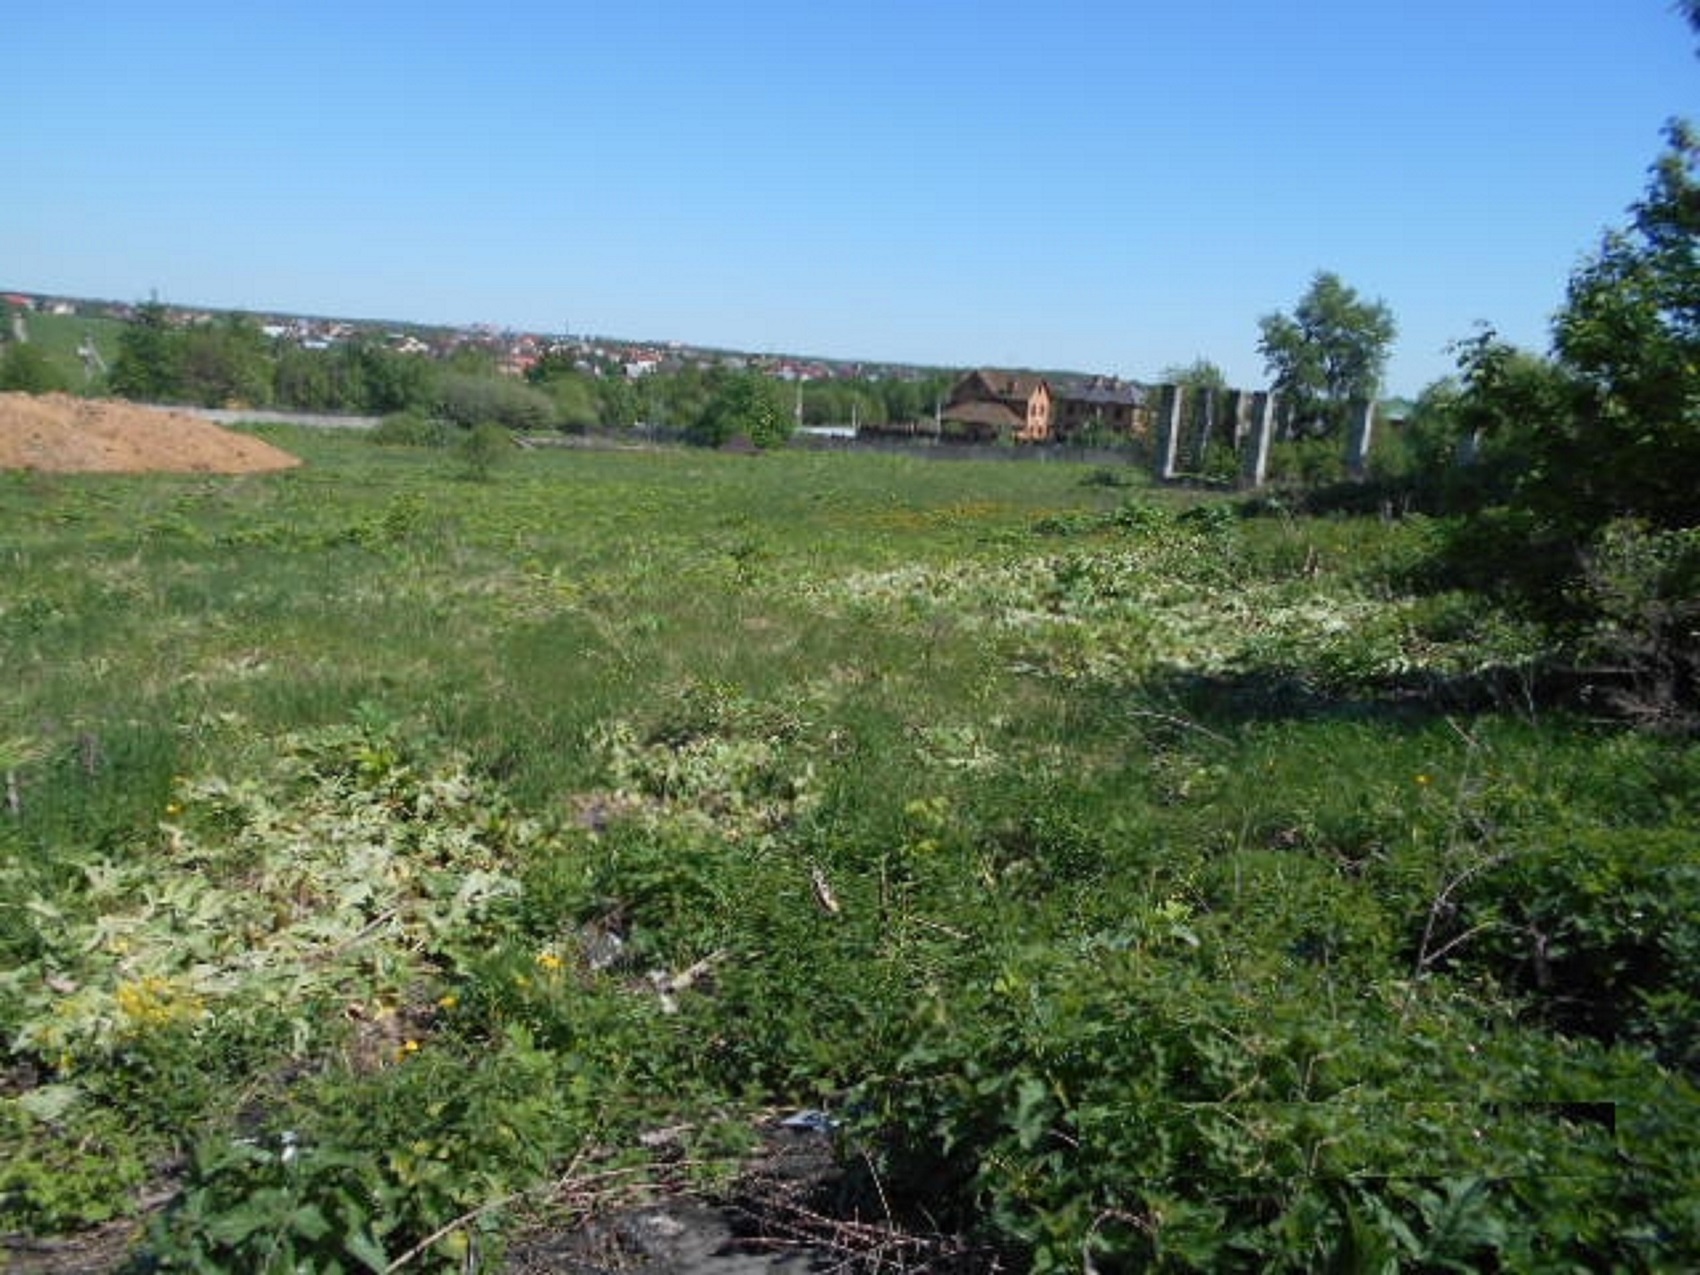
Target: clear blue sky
column 1101, row 185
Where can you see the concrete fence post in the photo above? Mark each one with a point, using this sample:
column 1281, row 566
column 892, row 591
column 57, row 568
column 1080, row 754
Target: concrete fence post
column 1239, row 414
column 1169, row 433
column 1254, row 468
column 1360, row 435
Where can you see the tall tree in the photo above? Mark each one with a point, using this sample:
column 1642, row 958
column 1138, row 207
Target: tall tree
column 746, row 404
column 225, row 363
column 1329, row 351
column 1630, row 332
column 149, row 366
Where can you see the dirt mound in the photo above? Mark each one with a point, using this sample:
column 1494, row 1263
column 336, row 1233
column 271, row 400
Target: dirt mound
column 56, row 433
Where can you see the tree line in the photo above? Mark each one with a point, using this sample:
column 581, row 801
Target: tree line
column 230, row 362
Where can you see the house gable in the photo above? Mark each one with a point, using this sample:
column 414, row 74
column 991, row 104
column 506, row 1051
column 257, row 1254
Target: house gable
column 1008, row 404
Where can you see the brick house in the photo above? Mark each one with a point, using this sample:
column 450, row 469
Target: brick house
column 987, row 404
column 1114, row 406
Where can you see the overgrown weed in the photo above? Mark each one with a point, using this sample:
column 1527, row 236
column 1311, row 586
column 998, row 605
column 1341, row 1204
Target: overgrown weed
column 390, row 848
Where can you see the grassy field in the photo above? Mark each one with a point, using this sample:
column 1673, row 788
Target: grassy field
column 388, row 856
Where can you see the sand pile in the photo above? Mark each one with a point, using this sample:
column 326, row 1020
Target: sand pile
column 57, row 433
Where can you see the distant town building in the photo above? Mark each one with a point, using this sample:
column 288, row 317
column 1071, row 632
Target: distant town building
column 988, row 404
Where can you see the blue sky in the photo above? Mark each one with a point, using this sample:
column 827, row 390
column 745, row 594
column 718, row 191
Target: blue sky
column 1083, row 184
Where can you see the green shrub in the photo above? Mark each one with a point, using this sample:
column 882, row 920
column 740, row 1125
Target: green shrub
column 1599, row 931
column 1642, row 591
column 411, row 429
column 482, row 448
column 68, row 1163
column 469, row 400
column 25, row 368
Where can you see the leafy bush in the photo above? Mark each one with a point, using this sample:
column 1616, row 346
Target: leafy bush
column 1600, row 931
column 410, row 429
column 24, row 368
column 469, row 400
column 1642, row 590
column 482, row 448
column 743, row 405
column 1116, row 1106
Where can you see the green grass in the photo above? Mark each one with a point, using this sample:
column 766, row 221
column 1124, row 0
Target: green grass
column 1136, row 879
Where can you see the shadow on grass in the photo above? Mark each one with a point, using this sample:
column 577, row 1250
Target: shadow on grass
column 1223, row 701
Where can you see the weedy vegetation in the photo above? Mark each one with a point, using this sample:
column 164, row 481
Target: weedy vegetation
column 391, row 863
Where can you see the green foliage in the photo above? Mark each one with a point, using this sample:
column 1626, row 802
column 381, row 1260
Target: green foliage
column 1641, row 591
column 1109, row 866
column 221, row 363
column 357, row 376
column 482, row 448
column 582, row 401
column 64, row 1169
column 149, row 366
column 411, row 429
column 1200, row 374
column 388, row 1165
column 1599, row 930
column 468, row 400
column 743, row 405
column 1330, row 351
column 1610, row 427
column 1630, row 331
column 224, row 363
column 25, row 368
column 1583, row 467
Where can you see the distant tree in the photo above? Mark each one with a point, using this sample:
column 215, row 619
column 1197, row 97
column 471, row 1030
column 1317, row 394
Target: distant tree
column 1200, row 374
column 149, row 365
column 470, row 400
column 24, row 368
column 576, row 395
column 675, row 401
column 372, row 379
column 306, row 379
column 743, row 404
column 1331, row 350
column 225, row 363
column 618, row 404
column 578, row 406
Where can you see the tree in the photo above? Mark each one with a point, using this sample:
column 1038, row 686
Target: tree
column 743, row 404
column 149, row 366
column 470, row 400
column 225, row 363
column 1601, row 449
column 617, row 403
column 1331, row 350
column 23, row 367
column 1630, row 332
column 1200, row 374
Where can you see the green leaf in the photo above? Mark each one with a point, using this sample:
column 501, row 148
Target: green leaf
column 50, row 1102
column 1032, row 1111
column 361, row 1246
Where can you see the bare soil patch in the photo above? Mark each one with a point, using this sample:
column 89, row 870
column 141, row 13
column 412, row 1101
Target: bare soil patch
column 61, row 434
